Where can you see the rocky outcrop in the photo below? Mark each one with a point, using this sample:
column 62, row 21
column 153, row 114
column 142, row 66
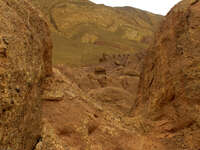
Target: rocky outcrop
column 116, row 98
column 25, row 60
column 169, row 90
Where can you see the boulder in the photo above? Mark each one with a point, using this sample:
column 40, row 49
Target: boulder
column 100, row 70
column 130, row 72
column 117, row 98
column 25, row 60
column 53, row 89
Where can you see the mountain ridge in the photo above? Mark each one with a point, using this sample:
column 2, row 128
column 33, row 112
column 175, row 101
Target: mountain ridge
column 89, row 29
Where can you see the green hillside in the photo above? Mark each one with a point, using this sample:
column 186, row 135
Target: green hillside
column 82, row 30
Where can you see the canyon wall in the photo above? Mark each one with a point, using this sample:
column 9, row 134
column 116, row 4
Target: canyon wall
column 169, row 90
column 25, row 60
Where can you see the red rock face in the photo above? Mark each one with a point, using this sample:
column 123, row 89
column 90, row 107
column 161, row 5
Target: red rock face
column 25, row 59
column 169, row 89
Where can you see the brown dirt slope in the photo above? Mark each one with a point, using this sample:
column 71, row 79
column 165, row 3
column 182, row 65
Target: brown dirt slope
column 90, row 119
column 25, row 60
column 87, row 105
column 169, row 92
column 82, row 30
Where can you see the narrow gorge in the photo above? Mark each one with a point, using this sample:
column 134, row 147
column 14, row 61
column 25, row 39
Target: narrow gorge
column 145, row 100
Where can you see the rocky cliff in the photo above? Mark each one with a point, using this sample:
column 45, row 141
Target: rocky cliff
column 169, row 92
column 82, row 30
column 25, row 60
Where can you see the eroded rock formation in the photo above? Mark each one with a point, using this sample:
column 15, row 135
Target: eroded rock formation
column 25, row 60
column 169, row 90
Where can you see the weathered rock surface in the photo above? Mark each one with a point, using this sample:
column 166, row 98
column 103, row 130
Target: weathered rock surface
column 25, row 60
column 49, row 140
column 169, row 90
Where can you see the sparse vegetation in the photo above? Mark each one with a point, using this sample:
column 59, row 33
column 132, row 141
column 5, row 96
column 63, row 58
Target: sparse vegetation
column 110, row 30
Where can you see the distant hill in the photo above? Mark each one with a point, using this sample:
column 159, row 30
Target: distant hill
column 82, row 30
